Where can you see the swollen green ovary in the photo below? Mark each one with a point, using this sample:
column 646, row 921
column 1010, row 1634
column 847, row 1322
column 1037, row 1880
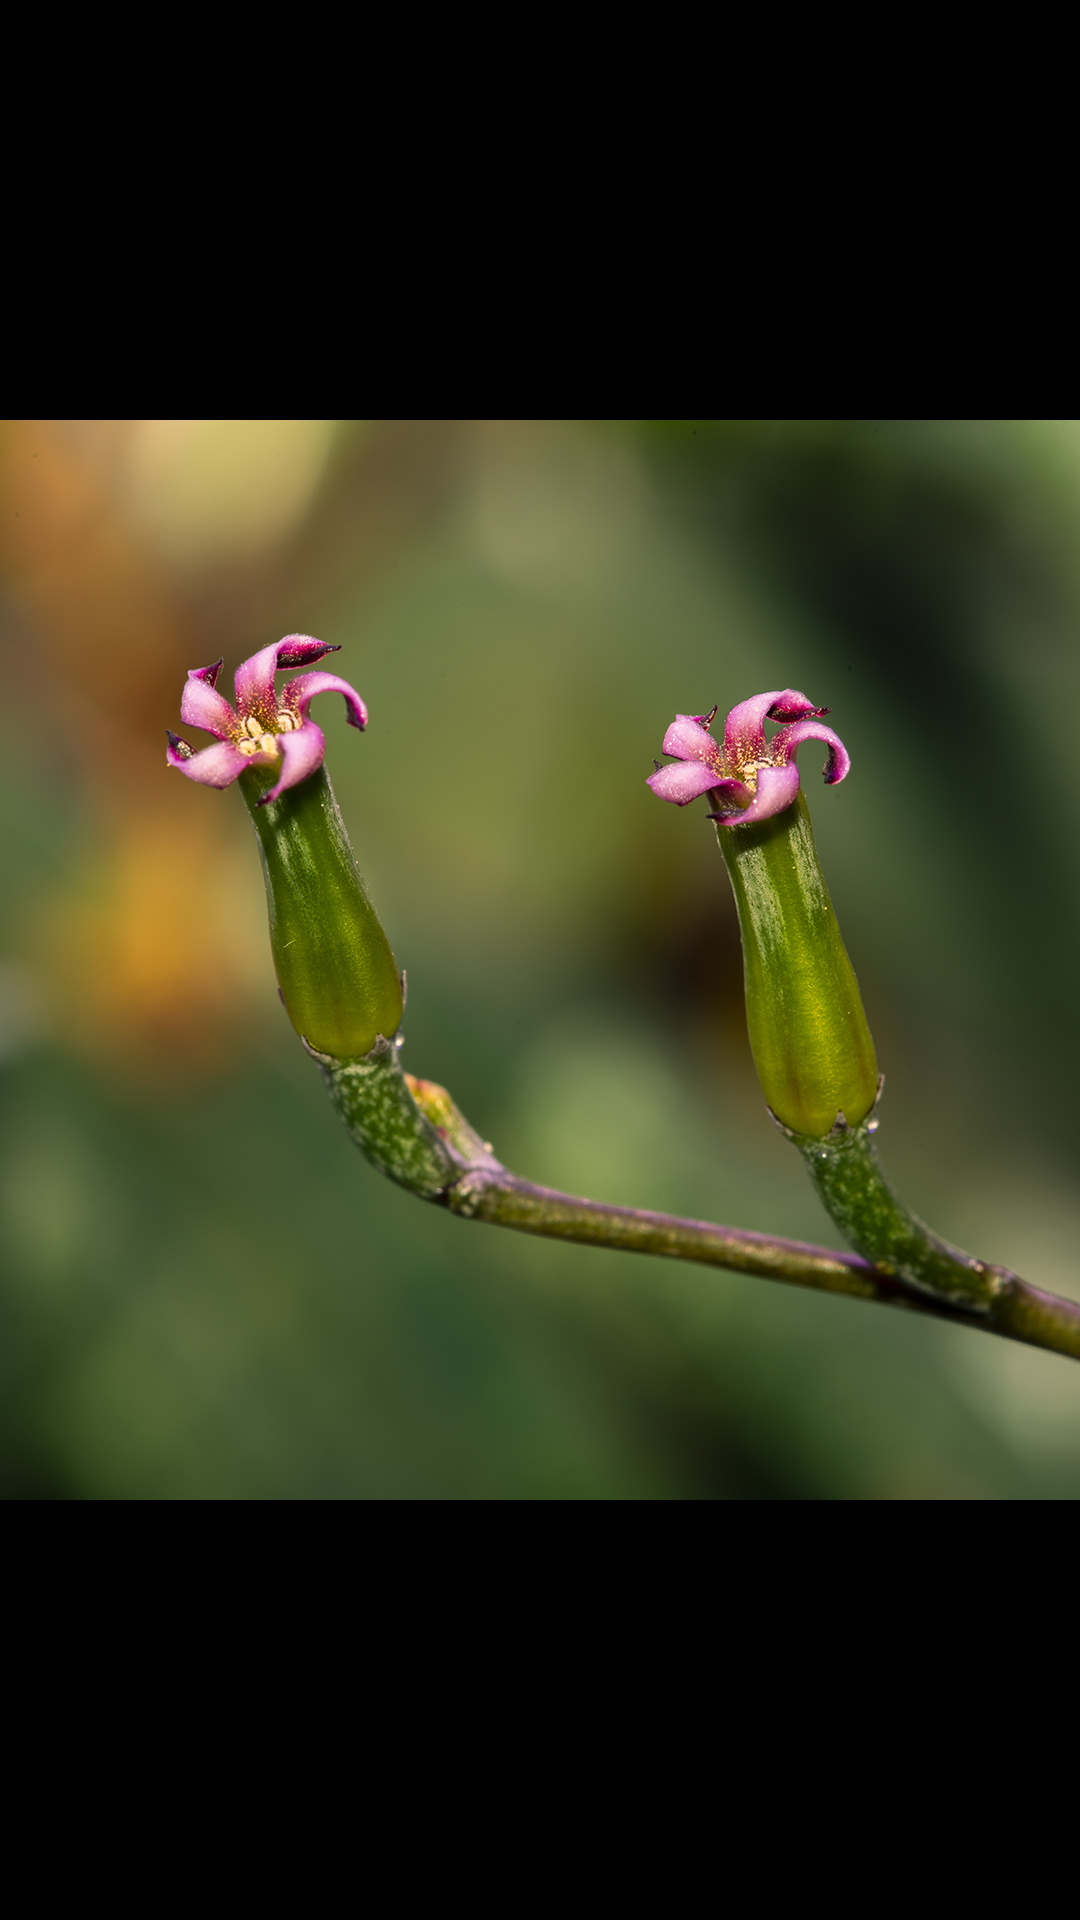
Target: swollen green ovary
column 808, row 1032
column 337, row 977
column 334, row 964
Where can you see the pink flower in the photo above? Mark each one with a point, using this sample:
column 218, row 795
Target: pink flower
column 262, row 730
column 751, row 777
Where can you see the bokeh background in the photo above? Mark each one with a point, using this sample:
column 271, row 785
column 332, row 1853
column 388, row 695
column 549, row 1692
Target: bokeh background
column 205, row 1290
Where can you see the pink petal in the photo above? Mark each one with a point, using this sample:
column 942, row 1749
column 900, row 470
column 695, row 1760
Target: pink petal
column 776, row 789
column 789, row 739
column 215, row 766
column 684, row 782
column 790, row 705
column 689, row 741
column 744, row 729
column 255, row 677
column 301, row 753
column 299, row 694
column 200, row 706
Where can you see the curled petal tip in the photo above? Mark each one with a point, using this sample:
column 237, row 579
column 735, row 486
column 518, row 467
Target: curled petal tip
column 789, row 739
column 208, row 674
column 300, row 693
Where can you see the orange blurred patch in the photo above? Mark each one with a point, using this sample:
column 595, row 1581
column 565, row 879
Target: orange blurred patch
column 155, row 957
column 161, row 956
column 104, row 610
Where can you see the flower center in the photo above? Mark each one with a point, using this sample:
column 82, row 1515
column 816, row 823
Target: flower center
column 745, row 767
column 255, row 737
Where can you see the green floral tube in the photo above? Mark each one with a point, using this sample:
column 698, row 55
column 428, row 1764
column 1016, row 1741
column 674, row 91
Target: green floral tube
column 808, row 1032
column 334, row 964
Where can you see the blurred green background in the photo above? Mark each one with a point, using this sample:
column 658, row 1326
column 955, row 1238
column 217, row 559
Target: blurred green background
column 205, row 1291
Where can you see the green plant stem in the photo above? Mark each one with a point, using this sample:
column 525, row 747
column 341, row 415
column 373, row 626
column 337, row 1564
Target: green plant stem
column 412, row 1131
column 1018, row 1312
column 871, row 1216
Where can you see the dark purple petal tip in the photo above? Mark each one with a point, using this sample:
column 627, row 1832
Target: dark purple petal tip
column 795, row 706
column 299, row 656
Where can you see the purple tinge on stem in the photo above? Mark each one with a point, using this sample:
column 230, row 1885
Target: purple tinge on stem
column 263, row 729
column 750, row 777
